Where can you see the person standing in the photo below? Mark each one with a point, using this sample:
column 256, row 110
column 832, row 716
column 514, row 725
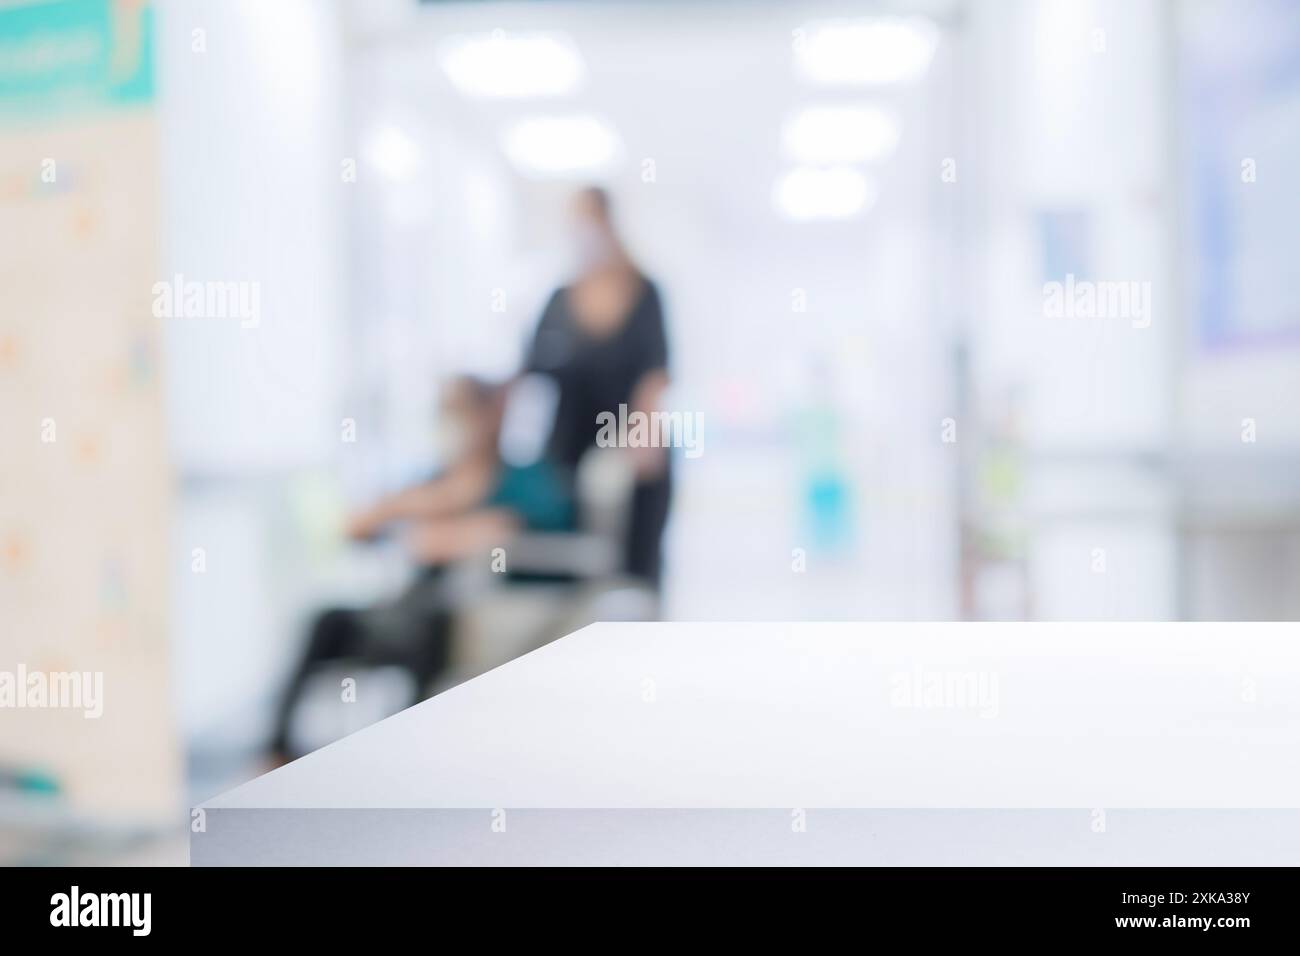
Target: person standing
column 601, row 339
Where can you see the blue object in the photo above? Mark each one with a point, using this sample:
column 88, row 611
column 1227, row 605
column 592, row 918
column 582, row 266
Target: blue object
column 538, row 494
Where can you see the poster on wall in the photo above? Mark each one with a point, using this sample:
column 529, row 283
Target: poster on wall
column 1239, row 67
column 86, row 725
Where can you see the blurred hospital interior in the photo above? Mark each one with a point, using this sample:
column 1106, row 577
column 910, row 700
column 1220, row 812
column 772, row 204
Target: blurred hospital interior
column 983, row 311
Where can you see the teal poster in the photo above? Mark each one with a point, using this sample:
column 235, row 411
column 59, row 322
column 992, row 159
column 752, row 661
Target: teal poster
column 71, row 56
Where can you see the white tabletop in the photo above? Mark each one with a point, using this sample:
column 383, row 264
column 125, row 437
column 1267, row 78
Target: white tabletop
column 899, row 743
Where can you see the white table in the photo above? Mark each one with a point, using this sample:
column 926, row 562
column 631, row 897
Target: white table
column 1154, row 744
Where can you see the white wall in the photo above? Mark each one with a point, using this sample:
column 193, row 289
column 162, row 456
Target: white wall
column 1072, row 104
column 251, row 139
column 251, row 122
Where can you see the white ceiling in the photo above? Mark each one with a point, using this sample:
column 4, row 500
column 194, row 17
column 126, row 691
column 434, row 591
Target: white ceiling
column 702, row 89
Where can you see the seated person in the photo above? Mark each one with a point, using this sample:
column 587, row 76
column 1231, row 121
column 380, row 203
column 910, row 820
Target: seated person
column 487, row 493
column 475, row 505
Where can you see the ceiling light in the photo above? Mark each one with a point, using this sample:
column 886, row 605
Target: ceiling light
column 831, row 135
column 513, row 65
column 560, row 145
column 864, row 52
column 809, row 193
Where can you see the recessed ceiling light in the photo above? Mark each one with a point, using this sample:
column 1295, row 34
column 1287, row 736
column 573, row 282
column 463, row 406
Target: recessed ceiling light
column 838, row 192
column 512, row 65
column 830, row 135
column 560, row 145
column 864, row 52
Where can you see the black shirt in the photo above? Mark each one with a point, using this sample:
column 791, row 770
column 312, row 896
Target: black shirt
column 593, row 373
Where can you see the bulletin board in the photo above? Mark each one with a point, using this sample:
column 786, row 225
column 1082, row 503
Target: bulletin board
column 84, row 479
